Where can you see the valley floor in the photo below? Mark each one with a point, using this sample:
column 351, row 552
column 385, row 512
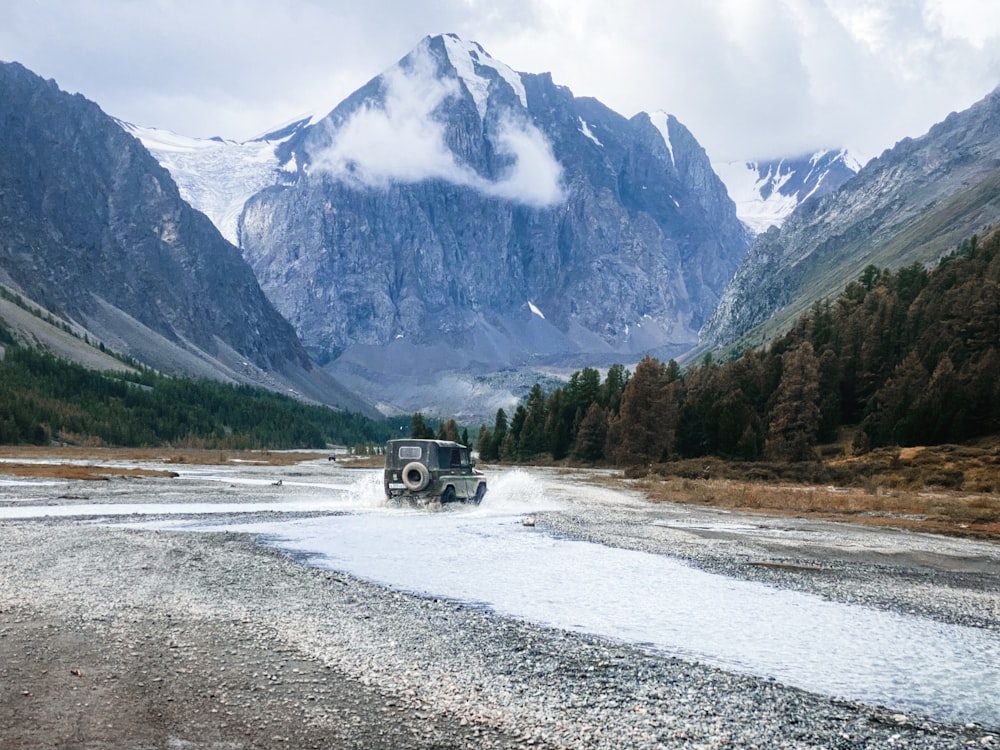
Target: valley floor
column 119, row 636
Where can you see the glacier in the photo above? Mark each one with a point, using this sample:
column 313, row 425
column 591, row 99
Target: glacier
column 767, row 191
column 215, row 175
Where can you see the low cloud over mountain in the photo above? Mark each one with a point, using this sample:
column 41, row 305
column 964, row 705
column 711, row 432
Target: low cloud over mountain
column 401, row 138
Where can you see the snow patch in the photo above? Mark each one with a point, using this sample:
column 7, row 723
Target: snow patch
column 766, row 193
column 853, row 160
column 660, row 120
column 746, row 186
column 214, row 175
column 466, row 56
column 535, row 310
column 585, row 129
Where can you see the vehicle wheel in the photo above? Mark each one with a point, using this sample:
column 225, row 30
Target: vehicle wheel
column 448, row 496
column 480, row 493
column 415, row 476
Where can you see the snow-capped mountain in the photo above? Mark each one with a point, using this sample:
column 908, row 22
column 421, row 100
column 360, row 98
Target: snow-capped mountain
column 766, row 192
column 218, row 176
column 455, row 216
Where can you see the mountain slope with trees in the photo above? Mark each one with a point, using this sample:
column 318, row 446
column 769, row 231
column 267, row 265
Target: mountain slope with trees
column 910, row 205
column 44, row 399
column 906, row 357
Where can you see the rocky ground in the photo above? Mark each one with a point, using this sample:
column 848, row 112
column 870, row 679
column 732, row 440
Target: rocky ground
column 121, row 637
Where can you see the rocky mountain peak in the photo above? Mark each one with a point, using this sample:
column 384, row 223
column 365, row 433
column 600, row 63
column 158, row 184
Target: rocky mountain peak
column 479, row 73
column 458, row 214
column 95, row 231
column 454, row 218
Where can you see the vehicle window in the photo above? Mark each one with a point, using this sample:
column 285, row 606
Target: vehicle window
column 409, row 451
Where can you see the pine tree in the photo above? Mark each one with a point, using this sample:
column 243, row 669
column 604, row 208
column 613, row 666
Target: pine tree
column 893, row 416
column 484, row 444
column 940, row 404
column 449, row 431
column 698, row 421
column 532, row 439
column 592, row 435
column 499, row 436
column 558, row 425
column 794, row 422
column 419, row 428
column 737, row 410
column 511, row 447
column 613, row 388
column 641, row 428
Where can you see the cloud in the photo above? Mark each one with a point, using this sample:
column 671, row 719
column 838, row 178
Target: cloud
column 762, row 78
column 535, row 178
column 398, row 140
column 401, row 140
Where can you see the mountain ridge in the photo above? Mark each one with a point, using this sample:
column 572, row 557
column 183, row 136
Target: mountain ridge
column 914, row 203
column 94, row 230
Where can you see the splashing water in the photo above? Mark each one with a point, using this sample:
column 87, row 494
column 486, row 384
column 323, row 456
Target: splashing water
column 367, row 490
column 516, row 491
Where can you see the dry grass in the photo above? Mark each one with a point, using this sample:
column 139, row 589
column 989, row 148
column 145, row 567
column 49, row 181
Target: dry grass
column 76, row 471
column 938, row 512
column 52, row 460
column 362, row 462
column 193, row 456
column 944, row 489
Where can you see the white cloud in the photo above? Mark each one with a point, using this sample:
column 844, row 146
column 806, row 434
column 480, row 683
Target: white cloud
column 400, row 140
column 974, row 21
column 535, row 178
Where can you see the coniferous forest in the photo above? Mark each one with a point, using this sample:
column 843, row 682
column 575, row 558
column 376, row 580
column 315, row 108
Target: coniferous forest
column 44, row 399
column 906, row 357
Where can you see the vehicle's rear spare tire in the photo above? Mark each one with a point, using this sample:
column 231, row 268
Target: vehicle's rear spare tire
column 416, row 476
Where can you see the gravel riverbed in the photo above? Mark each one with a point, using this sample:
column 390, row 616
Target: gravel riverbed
column 125, row 637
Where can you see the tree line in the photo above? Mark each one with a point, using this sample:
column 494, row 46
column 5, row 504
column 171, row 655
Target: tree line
column 906, row 357
column 45, row 399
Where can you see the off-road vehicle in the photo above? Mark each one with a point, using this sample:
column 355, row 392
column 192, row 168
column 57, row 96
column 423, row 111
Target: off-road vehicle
column 423, row 472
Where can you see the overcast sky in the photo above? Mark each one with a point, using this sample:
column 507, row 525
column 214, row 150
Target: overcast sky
column 750, row 78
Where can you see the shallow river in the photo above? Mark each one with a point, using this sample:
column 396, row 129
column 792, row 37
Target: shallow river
column 487, row 557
